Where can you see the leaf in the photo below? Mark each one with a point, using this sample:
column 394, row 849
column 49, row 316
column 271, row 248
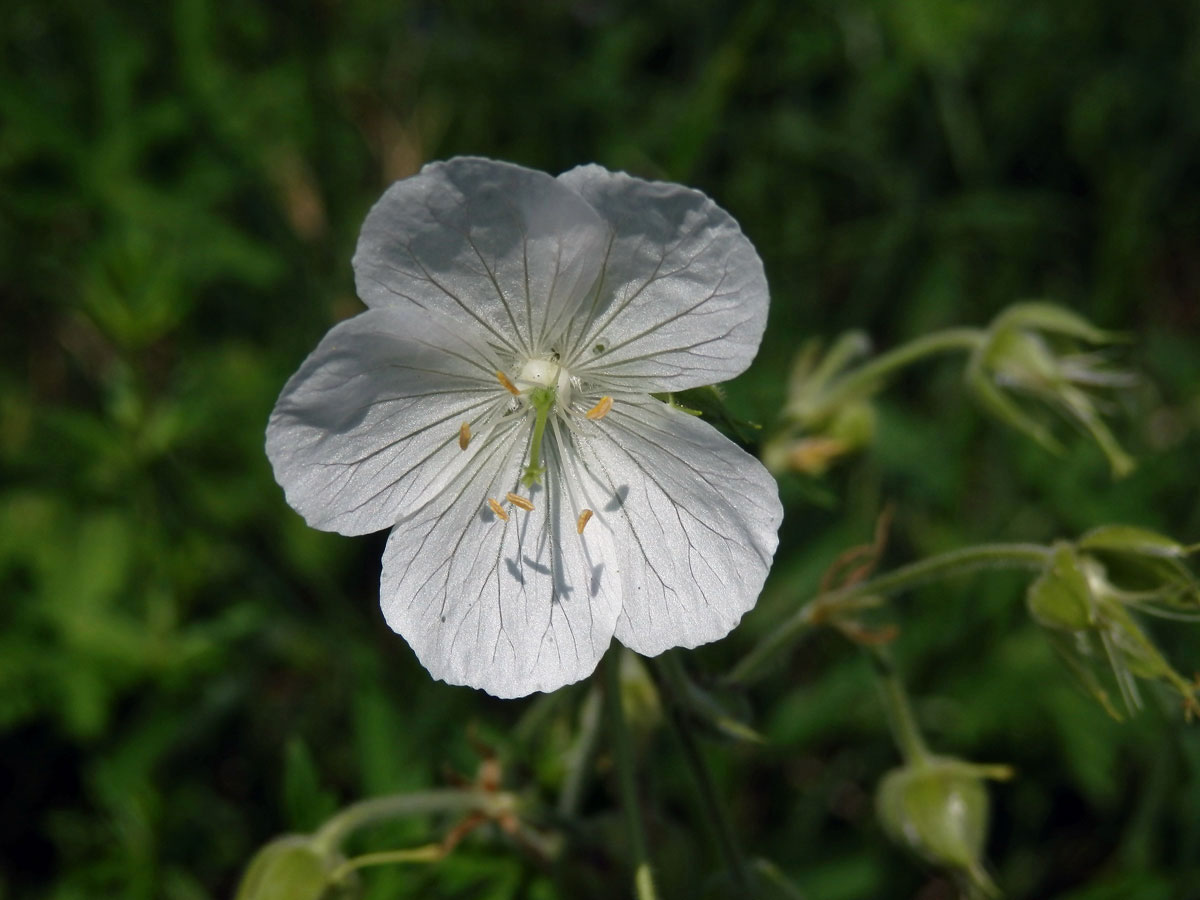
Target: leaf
column 306, row 803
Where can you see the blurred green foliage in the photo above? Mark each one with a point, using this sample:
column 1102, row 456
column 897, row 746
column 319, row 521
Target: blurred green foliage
column 186, row 670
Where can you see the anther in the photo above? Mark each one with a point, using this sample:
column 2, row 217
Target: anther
column 464, row 435
column 508, row 385
column 600, row 410
column 584, row 518
column 519, row 502
column 498, row 510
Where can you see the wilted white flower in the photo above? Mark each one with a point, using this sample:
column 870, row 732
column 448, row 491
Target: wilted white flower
column 492, row 408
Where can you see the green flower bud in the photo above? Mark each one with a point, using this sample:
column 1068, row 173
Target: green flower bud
column 938, row 808
column 1032, row 349
column 825, row 418
column 287, row 868
column 812, row 388
column 1088, row 617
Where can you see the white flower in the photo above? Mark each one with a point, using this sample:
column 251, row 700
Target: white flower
column 492, row 408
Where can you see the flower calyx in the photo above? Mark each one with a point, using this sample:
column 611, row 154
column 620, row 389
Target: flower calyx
column 1086, row 601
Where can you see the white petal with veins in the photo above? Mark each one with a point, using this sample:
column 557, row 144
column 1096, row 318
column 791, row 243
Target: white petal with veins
column 698, row 518
column 369, row 425
column 509, row 249
column 684, row 297
column 511, row 607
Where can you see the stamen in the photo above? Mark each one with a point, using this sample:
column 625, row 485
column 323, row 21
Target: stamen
column 508, row 385
column 498, row 510
column 464, row 435
column 584, row 518
column 520, row 502
column 600, row 410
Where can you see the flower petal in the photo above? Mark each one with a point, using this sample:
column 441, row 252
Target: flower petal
column 511, row 249
column 700, row 518
column 510, row 606
column 683, row 301
column 368, row 428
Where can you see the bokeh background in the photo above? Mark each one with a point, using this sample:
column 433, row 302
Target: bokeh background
column 187, row 670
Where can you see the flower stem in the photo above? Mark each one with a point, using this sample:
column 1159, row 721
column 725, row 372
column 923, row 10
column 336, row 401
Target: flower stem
column 899, row 709
column 428, row 853
column 643, row 877
column 379, row 809
column 864, row 378
column 673, row 677
column 954, row 562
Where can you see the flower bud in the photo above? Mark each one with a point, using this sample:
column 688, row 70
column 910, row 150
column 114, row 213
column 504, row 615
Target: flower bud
column 288, row 868
column 1032, row 349
column 1087, row 615
column 938, row 808
column 825, row 421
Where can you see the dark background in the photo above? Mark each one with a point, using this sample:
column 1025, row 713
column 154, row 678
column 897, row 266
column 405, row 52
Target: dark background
column 187, row 670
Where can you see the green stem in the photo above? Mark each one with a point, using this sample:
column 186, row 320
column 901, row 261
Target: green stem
column 864, row 378
column 899, row 709
column 622, row 746
column 430, row 853
column 1012, row 556
column 955, row 562
column 379, row 809
column 673, row 677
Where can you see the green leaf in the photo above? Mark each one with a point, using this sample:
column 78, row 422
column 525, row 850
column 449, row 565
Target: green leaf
column 306, row 803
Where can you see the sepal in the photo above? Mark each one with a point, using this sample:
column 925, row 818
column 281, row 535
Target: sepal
column 1033, row 350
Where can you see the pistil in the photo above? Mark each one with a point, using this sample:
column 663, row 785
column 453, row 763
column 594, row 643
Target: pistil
column 542, row 401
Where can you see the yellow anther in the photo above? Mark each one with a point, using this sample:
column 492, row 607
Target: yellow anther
column 464, row 435
column 600, row 410
column 519, row 502
column 508, row 385
column 584, row 518
column 498, row 510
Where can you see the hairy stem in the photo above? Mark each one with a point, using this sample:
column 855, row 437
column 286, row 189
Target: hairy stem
column 954, row 562
column 899, row 708
column 864, row 378
column 394, row 806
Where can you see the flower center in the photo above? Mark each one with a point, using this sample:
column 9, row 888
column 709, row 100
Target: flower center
column 546, row 373
column 546, row 386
